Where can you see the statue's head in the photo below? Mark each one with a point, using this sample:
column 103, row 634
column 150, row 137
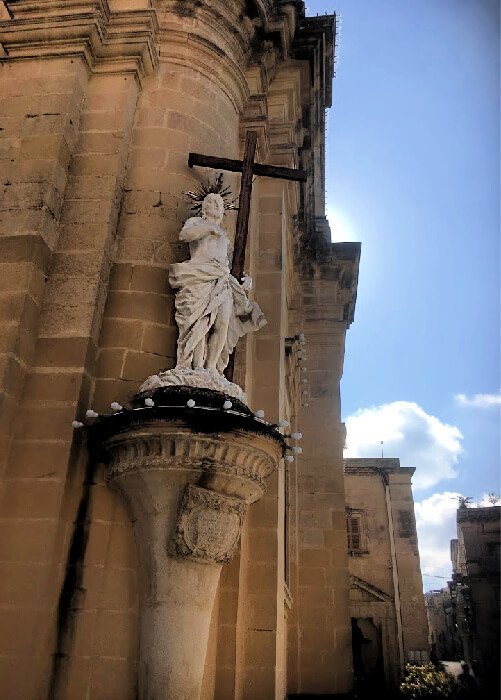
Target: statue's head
column 213, row 207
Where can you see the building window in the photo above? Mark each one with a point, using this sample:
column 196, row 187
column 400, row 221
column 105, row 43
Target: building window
column 356, row 532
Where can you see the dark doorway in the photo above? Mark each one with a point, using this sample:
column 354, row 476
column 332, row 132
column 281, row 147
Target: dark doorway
column 368, row 665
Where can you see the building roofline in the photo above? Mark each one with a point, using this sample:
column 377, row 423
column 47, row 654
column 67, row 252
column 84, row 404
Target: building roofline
column 375, row 465
column 485, row 513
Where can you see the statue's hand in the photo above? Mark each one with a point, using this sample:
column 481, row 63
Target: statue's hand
column 246, row 282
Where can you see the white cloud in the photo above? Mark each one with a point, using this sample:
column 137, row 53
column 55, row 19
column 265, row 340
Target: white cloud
column 408, row 432
column 479, row 400
column 436, row 526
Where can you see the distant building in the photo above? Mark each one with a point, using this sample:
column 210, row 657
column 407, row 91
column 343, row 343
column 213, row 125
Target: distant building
column 441, row 624
column 387, row 608
column 475, row 591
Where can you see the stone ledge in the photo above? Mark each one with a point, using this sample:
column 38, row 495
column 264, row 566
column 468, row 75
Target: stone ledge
column 206, row 416
column 476, row 514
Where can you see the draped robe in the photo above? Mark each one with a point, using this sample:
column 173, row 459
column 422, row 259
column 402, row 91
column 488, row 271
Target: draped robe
column 202, row 287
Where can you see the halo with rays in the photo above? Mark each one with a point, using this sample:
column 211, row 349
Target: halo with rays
column 217, row 186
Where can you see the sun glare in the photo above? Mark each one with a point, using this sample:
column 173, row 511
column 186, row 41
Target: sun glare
column 341, row 229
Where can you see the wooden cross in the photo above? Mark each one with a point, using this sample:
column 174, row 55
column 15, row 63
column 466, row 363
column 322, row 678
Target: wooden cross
column 248, row 168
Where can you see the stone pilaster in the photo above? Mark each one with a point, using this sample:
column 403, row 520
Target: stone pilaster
column 323, row 606
column 414, row 625
column 70, row 77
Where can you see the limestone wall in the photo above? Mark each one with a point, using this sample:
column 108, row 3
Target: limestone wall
column 100, row 104
column 414, row 621
column 386, row 584
column 65, row 132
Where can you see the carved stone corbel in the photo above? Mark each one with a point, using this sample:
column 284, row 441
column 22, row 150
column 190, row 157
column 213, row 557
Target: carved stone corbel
column 188, row 476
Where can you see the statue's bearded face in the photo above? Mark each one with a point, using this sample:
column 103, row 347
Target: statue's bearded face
column 213, row 207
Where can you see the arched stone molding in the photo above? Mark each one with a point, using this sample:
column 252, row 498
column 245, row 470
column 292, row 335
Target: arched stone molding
column 211, row 38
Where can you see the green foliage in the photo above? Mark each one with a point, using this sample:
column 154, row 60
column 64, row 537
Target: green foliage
column 426, row 681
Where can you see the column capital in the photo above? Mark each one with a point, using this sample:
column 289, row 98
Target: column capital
column 217, row 460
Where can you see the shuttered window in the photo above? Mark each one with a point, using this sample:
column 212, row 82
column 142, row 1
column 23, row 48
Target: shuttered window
column 354, row 525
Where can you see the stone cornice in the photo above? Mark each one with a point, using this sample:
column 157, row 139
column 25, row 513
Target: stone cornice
column 221, row 25
column 315, row 42
column 332, row 278
column 373, row 591
column 347, row 255
column 282, row 34
column 280, row 19
column 373, row 466
column 283, row 24
column 207, row 416
column 476, row 514
column 110, row 42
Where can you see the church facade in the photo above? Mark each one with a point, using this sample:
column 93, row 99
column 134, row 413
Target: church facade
column 101, row 102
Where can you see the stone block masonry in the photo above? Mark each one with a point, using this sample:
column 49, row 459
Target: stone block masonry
column 100, row 103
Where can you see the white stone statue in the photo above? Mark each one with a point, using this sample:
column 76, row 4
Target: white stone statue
column 212, row 309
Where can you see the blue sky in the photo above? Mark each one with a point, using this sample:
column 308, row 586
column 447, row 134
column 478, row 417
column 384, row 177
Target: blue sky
column 413, row 153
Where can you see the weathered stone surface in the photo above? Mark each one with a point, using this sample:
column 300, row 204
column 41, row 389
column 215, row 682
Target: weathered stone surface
column 385, row 584
column 196, row 378
column 188, row 492
column 208, row 526
column 100, row 103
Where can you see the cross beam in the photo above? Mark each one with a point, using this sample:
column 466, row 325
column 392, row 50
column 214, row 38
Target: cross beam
column 235, row 166
column 248, row 168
